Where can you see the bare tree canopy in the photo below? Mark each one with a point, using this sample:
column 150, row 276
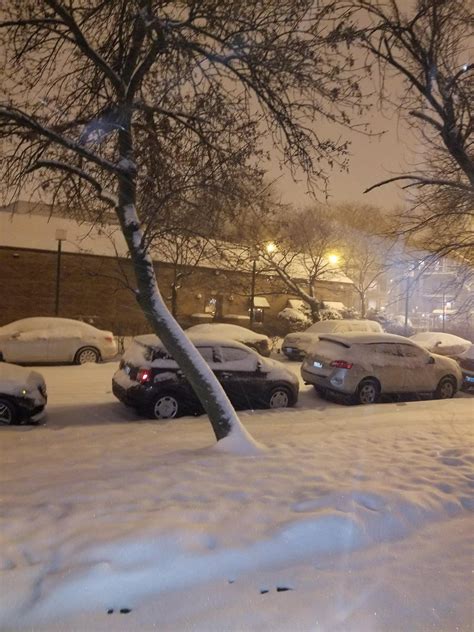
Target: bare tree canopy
column 142, row 106
column 429, row 47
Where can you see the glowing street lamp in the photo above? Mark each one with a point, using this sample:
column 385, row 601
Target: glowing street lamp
column 333, row 259
column 270, row 247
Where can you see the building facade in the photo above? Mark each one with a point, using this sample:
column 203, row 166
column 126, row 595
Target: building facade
column 96, row 280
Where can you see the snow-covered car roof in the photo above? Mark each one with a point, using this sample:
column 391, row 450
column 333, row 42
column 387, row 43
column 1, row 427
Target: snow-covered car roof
column 225, row 330
column 332, row 323
column 150, row 340
column 367, row 338
column 48, row 322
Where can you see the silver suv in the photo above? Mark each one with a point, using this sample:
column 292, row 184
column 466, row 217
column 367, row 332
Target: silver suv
column 366, row 365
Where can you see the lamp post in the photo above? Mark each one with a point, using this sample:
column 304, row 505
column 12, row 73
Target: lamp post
column 269, row 248
column 60, row 236
column 254, row 255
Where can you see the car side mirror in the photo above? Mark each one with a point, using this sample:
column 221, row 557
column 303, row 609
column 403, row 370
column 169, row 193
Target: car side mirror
column 431, row 360
column 259, row 366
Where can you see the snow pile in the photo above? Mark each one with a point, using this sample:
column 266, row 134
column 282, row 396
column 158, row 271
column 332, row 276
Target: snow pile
column 441, row 343
column 353, row 518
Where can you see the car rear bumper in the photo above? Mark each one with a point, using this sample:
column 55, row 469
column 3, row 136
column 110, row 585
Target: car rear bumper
column 337, row 381
column 467, row 380
column 137, row 396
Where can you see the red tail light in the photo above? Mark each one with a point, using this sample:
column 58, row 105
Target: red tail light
column 109, row 338
column 341, row 364
column 144, row 376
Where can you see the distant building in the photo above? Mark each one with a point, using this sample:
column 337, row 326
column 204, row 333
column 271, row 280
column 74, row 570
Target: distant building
column 96, row 276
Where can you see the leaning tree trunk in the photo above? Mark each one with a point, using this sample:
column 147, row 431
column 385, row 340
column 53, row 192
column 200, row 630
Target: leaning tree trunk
column 223, row 418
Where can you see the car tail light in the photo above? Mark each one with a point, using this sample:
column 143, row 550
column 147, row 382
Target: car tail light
column 341, row 364
column 144, row 376
column 109, row 338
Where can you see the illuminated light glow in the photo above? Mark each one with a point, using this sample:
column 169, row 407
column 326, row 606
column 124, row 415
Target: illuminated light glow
column 270, row 247
column 333, row 259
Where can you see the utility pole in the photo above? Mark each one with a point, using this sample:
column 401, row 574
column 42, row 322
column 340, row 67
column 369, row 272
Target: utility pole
column 252, row 291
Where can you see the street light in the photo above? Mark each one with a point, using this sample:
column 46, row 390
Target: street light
column 60, row 236
column 333, row 259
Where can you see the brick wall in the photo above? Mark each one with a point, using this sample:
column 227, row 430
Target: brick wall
column 94, row 286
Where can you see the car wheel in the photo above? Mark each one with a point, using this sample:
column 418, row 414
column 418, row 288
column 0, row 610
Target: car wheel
column 445, row 389
column 368, row 392
column 279, row 397
column 165, row 406
column 8, row 412
column 87, row 354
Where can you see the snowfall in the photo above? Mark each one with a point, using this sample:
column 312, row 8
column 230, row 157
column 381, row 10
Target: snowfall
column 350, row 518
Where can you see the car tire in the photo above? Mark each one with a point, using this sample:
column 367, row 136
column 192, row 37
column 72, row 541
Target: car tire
column 8, row 413
column 87, row 354
column 165, row 406
column 446, row 388
column 368, row 392
column 280, row 397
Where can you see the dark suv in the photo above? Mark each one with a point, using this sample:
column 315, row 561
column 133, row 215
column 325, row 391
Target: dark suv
column 150, row 380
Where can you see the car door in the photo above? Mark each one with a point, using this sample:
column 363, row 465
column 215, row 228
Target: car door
column 387, row 366
column 241, row 376
column 64, row 341
column 418, row 368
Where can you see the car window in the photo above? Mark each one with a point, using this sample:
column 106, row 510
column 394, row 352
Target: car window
column 409, row 351
column 208, row 354
column 387, row 349
column 231, row 354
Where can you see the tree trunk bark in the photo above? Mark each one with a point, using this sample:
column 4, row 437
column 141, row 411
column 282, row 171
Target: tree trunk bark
column 224, row 420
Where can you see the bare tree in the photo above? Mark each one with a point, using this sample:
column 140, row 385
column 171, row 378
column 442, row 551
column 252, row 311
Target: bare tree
column 428, row 48
column 299, row 254
column 109, row 103
column 366, row 251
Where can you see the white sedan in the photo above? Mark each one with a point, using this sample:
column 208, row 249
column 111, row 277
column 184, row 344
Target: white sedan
column 49, row 340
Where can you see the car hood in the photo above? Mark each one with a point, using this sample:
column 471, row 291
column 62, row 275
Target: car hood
column 447, row 363
column 13, row 379
column 277, row 371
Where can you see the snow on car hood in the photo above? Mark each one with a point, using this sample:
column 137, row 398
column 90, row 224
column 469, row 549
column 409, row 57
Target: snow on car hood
column 441, row 343
column 278, row 371
column 14, row 379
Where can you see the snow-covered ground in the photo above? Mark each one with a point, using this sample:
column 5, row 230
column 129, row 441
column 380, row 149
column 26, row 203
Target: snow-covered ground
column 353, row 519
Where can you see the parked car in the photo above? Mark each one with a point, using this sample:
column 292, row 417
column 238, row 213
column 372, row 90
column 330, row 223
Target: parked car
column 466, row 362
column 259, row 342
column 23, row 394
column 149, row 380
column 441, row 343
column 49, row 340
column 365, row 366
column 296, row 345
